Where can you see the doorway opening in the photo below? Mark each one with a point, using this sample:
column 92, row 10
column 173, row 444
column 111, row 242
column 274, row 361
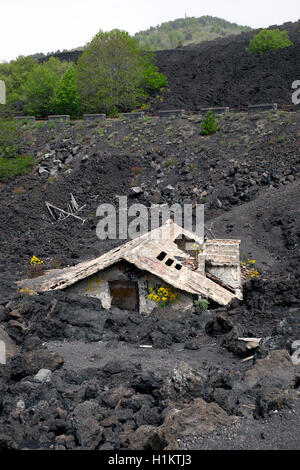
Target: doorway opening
column 124, row 294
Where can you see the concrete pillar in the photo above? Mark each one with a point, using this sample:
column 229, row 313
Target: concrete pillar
column 2, row 352
column 2, row 92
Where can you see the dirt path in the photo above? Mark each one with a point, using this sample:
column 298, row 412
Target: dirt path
column 79, row 355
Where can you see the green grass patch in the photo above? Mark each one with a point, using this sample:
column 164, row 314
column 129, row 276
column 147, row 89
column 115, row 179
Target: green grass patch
column 12, row 167
column 10, row 135
column 39, row 125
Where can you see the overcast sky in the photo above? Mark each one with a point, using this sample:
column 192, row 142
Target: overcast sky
column 30, row 26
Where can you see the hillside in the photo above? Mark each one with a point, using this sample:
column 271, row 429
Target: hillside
column 171, row 34
column 103, row 391
column 184, row 31
column 222, row 72
column 81, row 377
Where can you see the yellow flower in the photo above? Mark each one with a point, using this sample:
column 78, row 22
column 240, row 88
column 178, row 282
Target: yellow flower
column 34, row 260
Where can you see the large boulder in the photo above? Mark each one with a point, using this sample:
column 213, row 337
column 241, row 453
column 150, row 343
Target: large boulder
column 269, row 384
column 139, row 439
column 220, row 325
column 85, row 420
column 277, row 364
column 31, row 362
column 198, row 418
column 271, row 395
column 183, row 383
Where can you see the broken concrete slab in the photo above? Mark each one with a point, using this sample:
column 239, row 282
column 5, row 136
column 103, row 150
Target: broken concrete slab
column 94, row 117
column 25, row 118
column 133, row 115
column 217, row 110
column 254, row 108
column 171, row 112
column 59, row 118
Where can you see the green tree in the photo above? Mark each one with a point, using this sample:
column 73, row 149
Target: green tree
column 210, row 125
column 114, row 74
column 67, row 98
column 15, row 74
column 269, row 39
column 152, row 80
column 168, row 35
column 40, row 87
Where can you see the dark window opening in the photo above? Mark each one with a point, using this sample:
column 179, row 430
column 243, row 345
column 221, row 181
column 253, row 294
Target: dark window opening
column 178, row 267
column 161, row 256
column 169, row 262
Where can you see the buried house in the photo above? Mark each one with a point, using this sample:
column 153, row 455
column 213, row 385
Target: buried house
column 167, row 266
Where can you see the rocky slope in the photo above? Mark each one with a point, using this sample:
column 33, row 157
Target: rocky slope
column 223, row 73
column 77, row 377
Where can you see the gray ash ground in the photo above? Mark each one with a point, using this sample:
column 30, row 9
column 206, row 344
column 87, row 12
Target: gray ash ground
column 281, row 432
column 191, row 389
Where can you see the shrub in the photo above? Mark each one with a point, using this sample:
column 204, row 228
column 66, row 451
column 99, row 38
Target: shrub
column 39, row 125
column 12, row 167
column 163, row 296
column 210, row 125
column 269, row 39
column 248, row 271
column 34, row 261
column 136, row 170
column 152, row 80
column 26, row 290
column 202, row 304
column 170, row 162
column 56, row 263
column 36, row 270
column 9, row 138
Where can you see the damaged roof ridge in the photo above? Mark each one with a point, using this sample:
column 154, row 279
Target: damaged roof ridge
column 141, row 252
column 121, row 248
